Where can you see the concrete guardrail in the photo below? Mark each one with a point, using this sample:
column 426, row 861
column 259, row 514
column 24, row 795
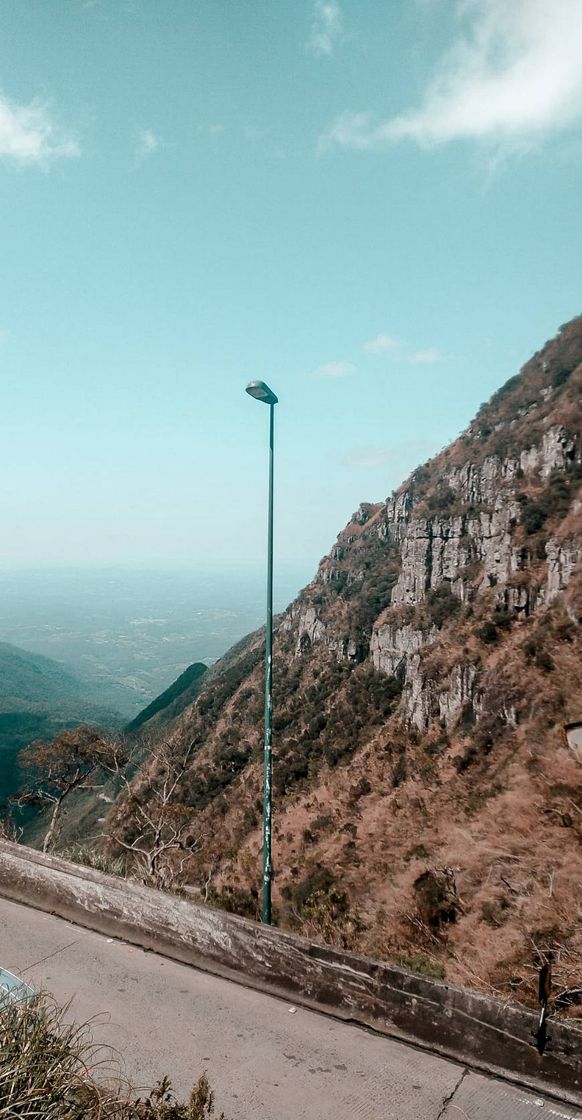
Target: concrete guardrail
column 467, row 1026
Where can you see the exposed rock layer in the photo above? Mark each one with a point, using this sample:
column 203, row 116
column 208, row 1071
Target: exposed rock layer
column 421, row 683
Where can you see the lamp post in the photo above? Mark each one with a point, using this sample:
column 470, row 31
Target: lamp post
column 261, row 392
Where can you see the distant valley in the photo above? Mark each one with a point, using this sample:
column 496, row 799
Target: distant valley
column 38, row 697
column 100, row 646
column 129, row 634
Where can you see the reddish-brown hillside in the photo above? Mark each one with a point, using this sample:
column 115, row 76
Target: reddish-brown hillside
column 426, row 803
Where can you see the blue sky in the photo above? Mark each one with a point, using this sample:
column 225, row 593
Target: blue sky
column 373, row 206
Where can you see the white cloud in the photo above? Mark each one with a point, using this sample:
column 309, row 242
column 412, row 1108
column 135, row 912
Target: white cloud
column 386, row 344
column 426, row 357
column 334, row 369
column 513, row 75
column 29, row 136
column 147, row 143
column 352, row 130
column 326, row 28
column 381, row 344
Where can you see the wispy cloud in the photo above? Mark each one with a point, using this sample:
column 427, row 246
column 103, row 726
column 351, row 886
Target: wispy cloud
column 381, row 344
column 426, row 357
column 386, row 345
column 326, row 28
column 353, row 130
column 334, row 369
column 512, row 76
column 372, row 458
column 29, row 135
column 147, row 143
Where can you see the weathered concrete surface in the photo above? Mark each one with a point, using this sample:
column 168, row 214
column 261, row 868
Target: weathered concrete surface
column 460, row 1024
column 479, row 1098
column 264, row 1062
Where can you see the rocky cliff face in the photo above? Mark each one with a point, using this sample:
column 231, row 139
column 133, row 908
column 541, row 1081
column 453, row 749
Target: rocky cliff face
column 427, row 804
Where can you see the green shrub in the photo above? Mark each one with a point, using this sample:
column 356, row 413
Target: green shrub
column 463, row 761
column 442, row 500
column 561, row 376
column 505, row 391
column 321, row 909
column 424, row 966
column 400, row 770
column 534, row 517
column 554, row 501
column 436, row 899
column 318, row 880
column 237, row 900
column 442, row 604
column 490, row 630
column 544, row 661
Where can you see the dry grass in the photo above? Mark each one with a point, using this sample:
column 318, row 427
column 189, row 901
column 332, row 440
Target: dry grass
column 492, row 796
column 51, row 1068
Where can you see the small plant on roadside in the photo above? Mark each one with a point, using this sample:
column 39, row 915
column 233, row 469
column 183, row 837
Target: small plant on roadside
column 162, row 1104
column 52, row 1068
column 421, row 964
column 87, row 856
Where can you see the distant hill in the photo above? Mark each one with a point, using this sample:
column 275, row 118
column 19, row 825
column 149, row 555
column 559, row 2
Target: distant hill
column 38, row 697
column 174, row 699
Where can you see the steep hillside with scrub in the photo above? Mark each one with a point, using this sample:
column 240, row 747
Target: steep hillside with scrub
column 38, row 697
column 172, row 701
column 427, row 805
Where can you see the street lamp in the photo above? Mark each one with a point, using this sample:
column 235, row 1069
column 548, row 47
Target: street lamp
column 261, row 392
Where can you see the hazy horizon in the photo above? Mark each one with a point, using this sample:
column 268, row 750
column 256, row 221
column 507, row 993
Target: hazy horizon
column 137, row 629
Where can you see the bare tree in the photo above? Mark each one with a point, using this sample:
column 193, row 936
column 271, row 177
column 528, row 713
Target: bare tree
column 63, row 765
column 151, row 822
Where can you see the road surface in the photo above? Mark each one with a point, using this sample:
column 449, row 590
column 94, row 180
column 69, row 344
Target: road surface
column 264, row 1060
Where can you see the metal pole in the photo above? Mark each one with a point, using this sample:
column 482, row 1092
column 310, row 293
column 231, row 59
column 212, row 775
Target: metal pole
column 268, row 759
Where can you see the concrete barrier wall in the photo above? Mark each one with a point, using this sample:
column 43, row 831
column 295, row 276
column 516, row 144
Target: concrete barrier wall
column 464, row 1025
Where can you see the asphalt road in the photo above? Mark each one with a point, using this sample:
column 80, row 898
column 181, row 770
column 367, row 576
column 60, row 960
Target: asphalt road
column 264, row 1060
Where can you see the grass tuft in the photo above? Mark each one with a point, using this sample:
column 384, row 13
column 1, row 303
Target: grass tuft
column 52, row 1068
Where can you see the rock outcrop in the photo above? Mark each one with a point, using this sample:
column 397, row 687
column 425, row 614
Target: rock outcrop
column 421, row 684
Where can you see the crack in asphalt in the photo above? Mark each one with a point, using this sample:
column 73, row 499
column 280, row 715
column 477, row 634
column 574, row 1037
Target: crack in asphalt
column 448, row 1099
column 48, row 957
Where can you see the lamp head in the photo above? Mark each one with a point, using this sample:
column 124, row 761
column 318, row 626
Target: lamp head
column 261, row 392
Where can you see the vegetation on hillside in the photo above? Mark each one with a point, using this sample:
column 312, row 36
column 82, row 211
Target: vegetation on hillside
column 426, row 805
column 185, row 688
column 38, row 698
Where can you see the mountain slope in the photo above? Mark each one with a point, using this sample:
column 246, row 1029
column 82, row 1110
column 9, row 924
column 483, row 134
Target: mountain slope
column 38, row 697
column 426, row 804
column 172, row 701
